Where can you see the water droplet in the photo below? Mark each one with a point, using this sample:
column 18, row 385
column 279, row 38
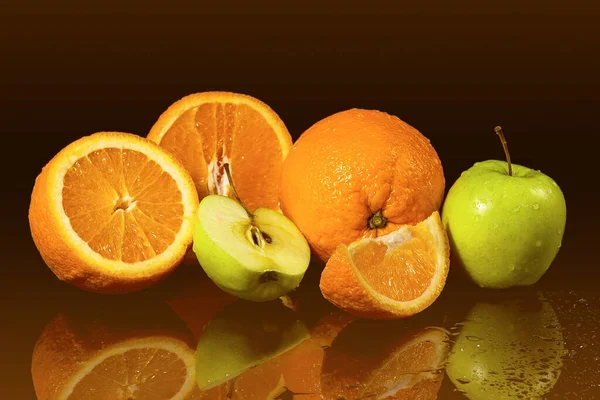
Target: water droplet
column 538, row 243
column 464, row 381
column 474, row 338
column 516, row 209
column 536, row 206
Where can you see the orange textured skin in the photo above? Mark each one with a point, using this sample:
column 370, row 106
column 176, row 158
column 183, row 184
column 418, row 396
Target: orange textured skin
column 349, row 166
column 340, row 286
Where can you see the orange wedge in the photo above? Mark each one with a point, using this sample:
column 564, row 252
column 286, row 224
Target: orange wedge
column 391, row 276
column 206, row 130
column 112, row 213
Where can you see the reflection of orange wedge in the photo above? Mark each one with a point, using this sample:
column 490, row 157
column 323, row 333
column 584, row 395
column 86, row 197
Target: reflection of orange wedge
column 408, row 367
column 111, row 358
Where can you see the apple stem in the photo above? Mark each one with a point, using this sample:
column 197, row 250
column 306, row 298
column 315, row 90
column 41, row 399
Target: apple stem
column 230, row 179
column 499, row 132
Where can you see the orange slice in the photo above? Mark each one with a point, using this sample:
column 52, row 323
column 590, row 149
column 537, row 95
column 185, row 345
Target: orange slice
column 112, row 213
column 392, row 276
column 206, row 130
column 411, row 368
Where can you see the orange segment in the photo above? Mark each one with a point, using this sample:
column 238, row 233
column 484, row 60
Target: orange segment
column 392, row 276
column 402, row 272
column 206, row 130
column 112, row 212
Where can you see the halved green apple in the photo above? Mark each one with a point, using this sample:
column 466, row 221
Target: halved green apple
column 257, row 256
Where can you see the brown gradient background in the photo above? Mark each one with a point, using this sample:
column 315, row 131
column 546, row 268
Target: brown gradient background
column 454, row 71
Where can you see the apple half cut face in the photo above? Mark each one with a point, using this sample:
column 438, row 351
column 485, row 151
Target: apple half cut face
column 257, row 257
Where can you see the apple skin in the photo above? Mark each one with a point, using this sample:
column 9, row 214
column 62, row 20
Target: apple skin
column 234, row 263
column 504, row 230
column 507, row 349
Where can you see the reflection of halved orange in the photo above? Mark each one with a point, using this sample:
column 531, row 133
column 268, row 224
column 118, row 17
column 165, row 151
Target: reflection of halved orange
column 112, row 212
column 79, row 357
column 408, row 368
column 206, row 130
column 391, row 276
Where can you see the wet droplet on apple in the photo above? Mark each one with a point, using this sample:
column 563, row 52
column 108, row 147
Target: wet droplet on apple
column 538, row 243
column 536, row 206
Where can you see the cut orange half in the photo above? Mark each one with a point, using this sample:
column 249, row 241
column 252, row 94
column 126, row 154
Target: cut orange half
column 206, row 130
column 392, row 276
column 112, row 213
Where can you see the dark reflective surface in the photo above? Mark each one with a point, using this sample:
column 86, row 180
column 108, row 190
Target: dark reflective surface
column 531, row 343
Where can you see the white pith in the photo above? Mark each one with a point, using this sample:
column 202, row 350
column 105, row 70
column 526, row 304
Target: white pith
column 218, row 181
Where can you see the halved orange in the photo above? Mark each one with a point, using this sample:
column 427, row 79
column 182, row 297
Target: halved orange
column 112, row 213
column 391, row 276
column 206, row 130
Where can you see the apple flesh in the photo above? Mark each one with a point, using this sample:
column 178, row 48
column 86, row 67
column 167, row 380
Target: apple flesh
column 257, row 257
column 505, row 230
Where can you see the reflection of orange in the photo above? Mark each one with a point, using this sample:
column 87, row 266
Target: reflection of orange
column 77, row 358
column 358, row 174
column 112, row 212
column 392, row 276
column 197, row 300
column 206, row 130
column 407, row 368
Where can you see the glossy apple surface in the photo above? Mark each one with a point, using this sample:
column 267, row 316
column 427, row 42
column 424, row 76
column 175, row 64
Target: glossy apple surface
column 505, row 230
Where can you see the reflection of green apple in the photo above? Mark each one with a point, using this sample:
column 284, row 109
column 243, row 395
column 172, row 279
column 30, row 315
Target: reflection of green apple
column 505, row 223
column 508, row 350
column 242, row 336
column 257, row 256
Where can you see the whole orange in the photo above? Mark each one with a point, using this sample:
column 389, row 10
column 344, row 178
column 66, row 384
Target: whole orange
column 358, row 174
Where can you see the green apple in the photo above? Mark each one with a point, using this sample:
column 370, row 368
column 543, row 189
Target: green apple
column 242, row 336
column 505, row 222
column 507, row 350
column 257, row 256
